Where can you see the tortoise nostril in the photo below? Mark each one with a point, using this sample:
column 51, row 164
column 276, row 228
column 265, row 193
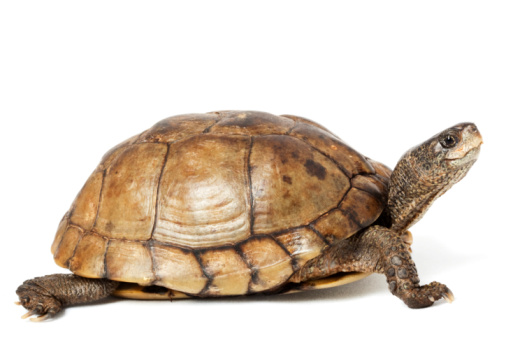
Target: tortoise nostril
column 472, row 129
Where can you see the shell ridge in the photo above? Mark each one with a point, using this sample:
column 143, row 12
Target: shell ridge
column 157, row 203
column 93, row 227
column 149, row 247
column 154, row 264
column 253, row 271
column 208, row 129
column 293, row 261
column 63, row 234
column 311, row 227
column 209, row 277
column 337, row 207
column 284, row 231
column 254, row 256
column 81, row 230
column 295, row 123
column 376, row 196
column 329, row 211
column 250, row 187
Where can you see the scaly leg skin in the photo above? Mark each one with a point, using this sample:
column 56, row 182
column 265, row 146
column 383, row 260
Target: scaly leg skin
column 48, row 295
column 380, row 250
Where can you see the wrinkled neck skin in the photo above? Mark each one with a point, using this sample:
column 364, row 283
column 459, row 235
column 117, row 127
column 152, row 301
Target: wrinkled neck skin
column 415, row 185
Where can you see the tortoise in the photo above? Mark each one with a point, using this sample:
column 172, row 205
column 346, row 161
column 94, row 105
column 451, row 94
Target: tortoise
column 235, row 203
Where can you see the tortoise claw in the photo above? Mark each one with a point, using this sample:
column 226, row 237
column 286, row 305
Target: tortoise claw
column 448, row 296
column 41, row 318
column 407, row 238
column 28, row 314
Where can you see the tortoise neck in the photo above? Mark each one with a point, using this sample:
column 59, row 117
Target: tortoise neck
column 409, row 197
column 410, row 194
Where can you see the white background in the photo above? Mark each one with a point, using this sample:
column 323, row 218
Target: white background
column 76, row 78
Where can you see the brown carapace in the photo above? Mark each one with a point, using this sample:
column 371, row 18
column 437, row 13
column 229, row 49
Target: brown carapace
column 241, row 202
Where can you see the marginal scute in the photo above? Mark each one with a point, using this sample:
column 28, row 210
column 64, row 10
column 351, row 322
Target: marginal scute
column 303, row 244
column 178, row 269
column 382, row 171
column 335, row 226
column 357, row 210
column 128, row 201
column 362, row 207
column 84, row 211
column 271, row 264
column 230, row 274
column 204, row 192
column 251, row 123
column 178, row 127
column 129, row 261
column 291, row 183
column 67, row 246
column 371, row 184
column 349, row 160
column 88, row 260
column 62, row 227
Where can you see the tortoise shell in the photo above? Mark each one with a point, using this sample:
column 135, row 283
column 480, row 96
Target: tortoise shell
column 224, row 203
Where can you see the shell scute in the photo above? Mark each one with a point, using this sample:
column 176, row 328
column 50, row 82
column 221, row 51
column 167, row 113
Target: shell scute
column 129, row 193
column 62, row 227
column 178, row 269
column 356, row 211
column 230, row 274
column 310, row 122
column 251, row 123
column 85, row 208
column 291, row 183
column 271, row 264
column 303, row 244
column 67, row 246
column 178, row 127
column 371, row 184
column 129, row 260
column 350, row 161
column 204, row 192
column 89, row 257
column 111, row 155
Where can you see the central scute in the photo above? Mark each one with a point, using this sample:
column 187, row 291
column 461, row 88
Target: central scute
column 204, row 192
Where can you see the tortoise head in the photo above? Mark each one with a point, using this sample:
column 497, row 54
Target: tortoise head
column 428, row 170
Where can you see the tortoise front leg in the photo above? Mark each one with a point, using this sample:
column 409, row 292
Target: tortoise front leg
column 47, row 295
column 380, row 250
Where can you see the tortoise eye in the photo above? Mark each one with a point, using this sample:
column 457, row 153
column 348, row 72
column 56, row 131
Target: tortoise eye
column 449, row 141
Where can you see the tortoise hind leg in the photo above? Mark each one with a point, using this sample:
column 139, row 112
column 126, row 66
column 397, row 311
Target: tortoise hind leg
column 48, row 295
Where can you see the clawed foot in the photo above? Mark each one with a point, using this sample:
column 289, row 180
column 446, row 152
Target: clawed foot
column 33, row 298
column 426, row 295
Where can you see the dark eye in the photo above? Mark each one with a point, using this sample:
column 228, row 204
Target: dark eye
column 449, row 141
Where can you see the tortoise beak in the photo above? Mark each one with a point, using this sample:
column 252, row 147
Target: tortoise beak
column 472, row 139
column 469, row 148
column 472, row 134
